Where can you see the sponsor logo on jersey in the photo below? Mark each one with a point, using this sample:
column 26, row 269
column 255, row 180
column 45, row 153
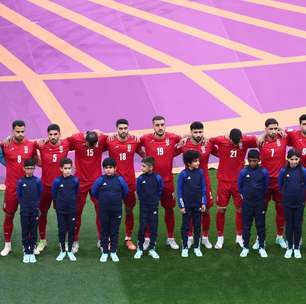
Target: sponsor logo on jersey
column 24, row 185
column 288, row 175
column 248, row 175
column 144, row 182
column 129, row 148
column 105, row 184
column 189, row 177
column 61, row 186
column 26, row 149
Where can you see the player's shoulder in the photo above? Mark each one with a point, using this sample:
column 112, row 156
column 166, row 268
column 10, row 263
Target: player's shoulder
column 172, row 135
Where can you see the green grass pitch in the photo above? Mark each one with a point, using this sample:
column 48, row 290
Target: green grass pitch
column 218, row 277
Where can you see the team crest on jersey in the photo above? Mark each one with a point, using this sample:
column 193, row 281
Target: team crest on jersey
column 278, row 143
column 167, row 141
column 61, row 149
column 129, row 148
column 26, row 149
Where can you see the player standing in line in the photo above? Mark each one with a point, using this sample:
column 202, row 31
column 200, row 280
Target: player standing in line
column 162, row 146
column 15, row 153
column 231, row 151
column 122, row 148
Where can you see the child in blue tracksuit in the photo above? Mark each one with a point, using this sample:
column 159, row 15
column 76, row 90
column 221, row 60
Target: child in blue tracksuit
column 110, row 190
column 29, row 190
column 64, row 190
column 191, row 190
column 149, row 187
column 253, row 184
column 292, row 184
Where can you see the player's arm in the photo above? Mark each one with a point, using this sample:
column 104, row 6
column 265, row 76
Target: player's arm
column 95, row 187
column 2, row 159
column 180, row 200
column 281, row 179
column 251, row 141
column 203, row 188
column 289, row 133
column 124, row 187
column 139, row 149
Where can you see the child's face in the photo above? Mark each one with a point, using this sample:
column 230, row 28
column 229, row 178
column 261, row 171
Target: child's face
column 29, row 171
column 253, row 162
column 66, row 170
column 293, row 161
column 109, row 170
column 146, row 168
column 195, row 164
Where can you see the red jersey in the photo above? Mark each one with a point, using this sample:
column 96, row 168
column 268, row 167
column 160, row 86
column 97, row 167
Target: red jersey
column 297, row 140
column 15, row 154
column 231, row 157
column 273, row 154
column 50, row 160
column 123, row 152
column 87, row 160
column 163, row 150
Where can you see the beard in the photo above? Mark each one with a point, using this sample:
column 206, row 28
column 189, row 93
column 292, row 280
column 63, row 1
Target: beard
column 197, row 139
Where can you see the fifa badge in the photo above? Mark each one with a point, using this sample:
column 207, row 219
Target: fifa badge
column 167, row 141
column 26, row 149
column 129, row 148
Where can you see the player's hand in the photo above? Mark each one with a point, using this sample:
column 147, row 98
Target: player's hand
column 7, row 140
column 261, row 138
column 182, row 210
column 41, row 142
column 281, row 132
column 204, row 141
column 182, row 142
column 203, row 209
column 111, row 137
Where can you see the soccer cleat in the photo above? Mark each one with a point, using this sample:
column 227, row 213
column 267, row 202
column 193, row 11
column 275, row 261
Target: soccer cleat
column 244, row 253
column 146, row 243
column 61, row 256
column 297, row 253
column 26, row 259
column 71, row 256
column 130, row 245
column 138, row 254
column 198, row 252
column 262, row 252
column 172, row 243
column 239, row 240
column 220, row 242
column 288, row 254
column 7, row 249
column 190, row 241
column 114, row 257
column 256, row 245
column 185, row 253
column 280, row 241
column 153, row 254
column 206, row 242
column 104, row 257
column 75, row 247
column 42, row 244
column 32, row 258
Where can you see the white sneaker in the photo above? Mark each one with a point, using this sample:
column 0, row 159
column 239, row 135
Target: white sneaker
column 297, row 253
column 61, row 256
column 220, row 242
column 36, row 251
column 26, row 259
column 206, row 242
column 7, row 249
column 288, row 254
column 244, row 253
column 153, row 254
column 256, row 245
column 99, row 244
column 198, row 252
column 104, row 257
column 138, row 254
column 71, row 256
column 146, row 243
column 190, row 241
column 185, row 253
column 42, row 244
column 76, row 246
column 263, row 252
column 280, row 241
column 32, row 258
column 114, row 257
column 239, row 240
column 172, row 243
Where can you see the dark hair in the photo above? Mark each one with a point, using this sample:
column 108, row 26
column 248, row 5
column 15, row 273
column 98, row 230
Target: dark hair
column 271, row 121
column 196, row 125
column 109, row 162
column 158, row 117
column 18, row 123
column 302, row 117
column 65, row 161
column 254, row 153
column 91, row 138
column 235, row 136
column 189, row 156
column 29, row 162
column 122, row 121
column 149, row 161
column 293, row 152
column 54, row 127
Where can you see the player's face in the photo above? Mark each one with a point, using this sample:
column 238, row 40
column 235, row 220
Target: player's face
column 253, row 162
column 29, row 170
column 145, row 168
column 293, row 161
column 159, row 127
column 303, row 127
column 272, row 130
column 54, row 136
column 195, row 164
column 197, row 135
column 66, row 170
column 123, row 131
column 19, row 133
column 108, row 170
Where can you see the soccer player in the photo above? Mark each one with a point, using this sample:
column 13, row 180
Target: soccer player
column 231, row 151
column 29, row 190
column 162, row 146
column 88, row 157
column 51, row 152
column 122, row 149
column 15, row 153
column 197, row 142
column 273, row 158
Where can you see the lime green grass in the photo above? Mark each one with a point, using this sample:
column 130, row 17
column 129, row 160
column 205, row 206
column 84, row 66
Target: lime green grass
column 218, row 277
